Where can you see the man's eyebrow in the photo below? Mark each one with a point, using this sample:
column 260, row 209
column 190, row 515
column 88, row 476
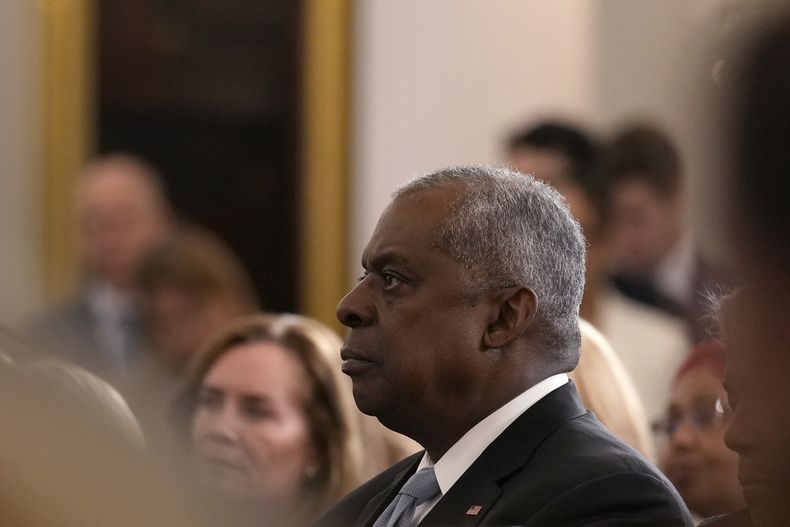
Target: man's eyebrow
column 379, row 261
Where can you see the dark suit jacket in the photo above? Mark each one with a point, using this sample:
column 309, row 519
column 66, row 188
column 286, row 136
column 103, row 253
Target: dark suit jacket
column 706, row 280
column 69, row 331
column 556, row 465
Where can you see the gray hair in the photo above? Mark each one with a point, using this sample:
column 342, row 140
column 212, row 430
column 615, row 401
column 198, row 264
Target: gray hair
column 507, row 228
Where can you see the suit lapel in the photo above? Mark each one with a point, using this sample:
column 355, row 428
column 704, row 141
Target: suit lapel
column 513, row 448
column 481, row 485
column 465, row 504
column 379, row 502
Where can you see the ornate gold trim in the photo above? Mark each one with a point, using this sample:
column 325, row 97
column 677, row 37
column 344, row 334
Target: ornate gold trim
column 325, row 157
column 67, row 38
column 68, row 137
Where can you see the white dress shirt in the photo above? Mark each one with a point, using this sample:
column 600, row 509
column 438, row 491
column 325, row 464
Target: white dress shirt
column 674, row 277
column 466, row 450
column 112, row 312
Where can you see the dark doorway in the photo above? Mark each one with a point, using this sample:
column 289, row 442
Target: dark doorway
column 208, row 91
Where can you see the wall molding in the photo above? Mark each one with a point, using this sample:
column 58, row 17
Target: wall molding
column 325, row 157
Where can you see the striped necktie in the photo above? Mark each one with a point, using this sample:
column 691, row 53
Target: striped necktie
column 421, row 487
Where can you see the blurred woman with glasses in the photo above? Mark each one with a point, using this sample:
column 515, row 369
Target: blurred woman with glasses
column 692, row 452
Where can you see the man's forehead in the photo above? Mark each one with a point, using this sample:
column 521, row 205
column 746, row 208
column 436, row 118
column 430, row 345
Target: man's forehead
column 410, row 213
column 403, row 223
column 432, row 203
column 398, row 237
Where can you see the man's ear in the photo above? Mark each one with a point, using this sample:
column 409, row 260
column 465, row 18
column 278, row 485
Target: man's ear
column 515, row 309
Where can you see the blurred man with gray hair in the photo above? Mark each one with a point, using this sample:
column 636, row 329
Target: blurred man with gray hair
column 122, row 213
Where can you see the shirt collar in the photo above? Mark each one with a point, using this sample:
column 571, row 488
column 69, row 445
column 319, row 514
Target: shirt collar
column 107, row 302
column 675, row 273
column 466, row 450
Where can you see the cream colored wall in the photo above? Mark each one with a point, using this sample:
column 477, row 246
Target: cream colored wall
column 642, row 56
column 20, row 279
column 441, row 82
column 653, row 59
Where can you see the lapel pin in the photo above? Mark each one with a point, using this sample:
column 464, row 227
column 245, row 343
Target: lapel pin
column 474, row 510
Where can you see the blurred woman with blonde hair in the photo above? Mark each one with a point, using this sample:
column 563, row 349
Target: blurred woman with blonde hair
column 271, row 420
column 606, row 388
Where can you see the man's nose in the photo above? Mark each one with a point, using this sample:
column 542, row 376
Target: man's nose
column 355, row 309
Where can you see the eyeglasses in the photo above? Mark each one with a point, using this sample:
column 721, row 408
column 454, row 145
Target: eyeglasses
column 701, row 417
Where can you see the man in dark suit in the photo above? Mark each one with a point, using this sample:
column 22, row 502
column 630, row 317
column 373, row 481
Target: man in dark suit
column 122, row 213
column 462, row 329
column 656, row 260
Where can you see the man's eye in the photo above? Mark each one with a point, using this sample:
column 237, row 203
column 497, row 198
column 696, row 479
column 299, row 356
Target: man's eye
column 390, row 281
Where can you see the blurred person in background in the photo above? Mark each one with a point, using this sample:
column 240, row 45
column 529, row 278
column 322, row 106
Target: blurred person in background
column 272, row 423
column 607, row 390
column 72, row 454
column 650, row 343
column 755, row 327
column 655, row 260
column 754, row 82
column 122, row 213
column 97, row 397
column 693, row 454
column 190, row 286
